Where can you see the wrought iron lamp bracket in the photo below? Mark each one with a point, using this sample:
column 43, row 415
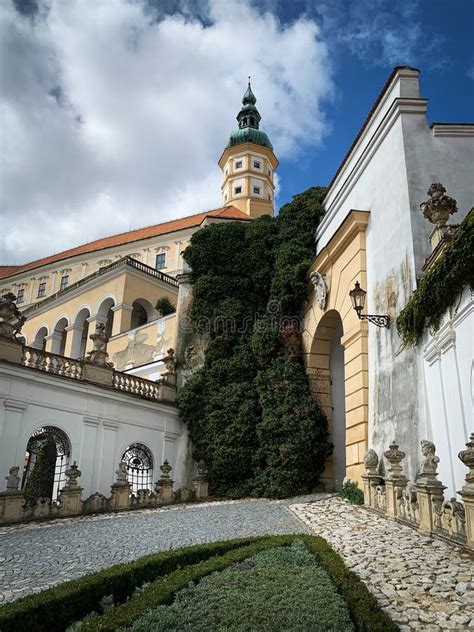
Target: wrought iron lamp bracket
column 376, row 319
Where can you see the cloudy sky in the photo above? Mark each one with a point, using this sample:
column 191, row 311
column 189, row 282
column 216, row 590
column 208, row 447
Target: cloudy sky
column 115, row 112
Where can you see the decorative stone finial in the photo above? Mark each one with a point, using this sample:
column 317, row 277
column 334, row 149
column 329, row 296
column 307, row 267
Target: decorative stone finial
column 73, row 473
column 165, row 470
column 98, row 355
column 428, row 468
column 371, row 461
column 467, row 457
column 11, row 319
column 439, row 207
column 13, row 480
column 394, row 456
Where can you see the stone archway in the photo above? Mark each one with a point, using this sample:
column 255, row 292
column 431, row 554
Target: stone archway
column 335, row 347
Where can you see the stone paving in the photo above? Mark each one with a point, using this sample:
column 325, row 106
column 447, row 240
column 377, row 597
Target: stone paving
column 36, row 556
column 423, row 583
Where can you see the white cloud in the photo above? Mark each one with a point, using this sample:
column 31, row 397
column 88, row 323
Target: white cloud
column 114, row 118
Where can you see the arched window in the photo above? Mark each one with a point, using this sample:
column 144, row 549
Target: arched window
column 34, row 448
column 139, row 461
column 139, row 315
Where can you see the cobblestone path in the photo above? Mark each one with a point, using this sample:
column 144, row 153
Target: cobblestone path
column 36, row 556
column 422, row 583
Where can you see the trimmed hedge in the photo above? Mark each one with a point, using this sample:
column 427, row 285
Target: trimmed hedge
column 55, row 608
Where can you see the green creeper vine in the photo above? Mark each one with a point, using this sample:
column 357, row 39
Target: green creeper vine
column 440, row 286
column 249, row 410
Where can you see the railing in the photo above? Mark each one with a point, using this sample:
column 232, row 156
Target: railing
column 76, row 369
column 125, row 261
column 52, row 363
column 136, row 386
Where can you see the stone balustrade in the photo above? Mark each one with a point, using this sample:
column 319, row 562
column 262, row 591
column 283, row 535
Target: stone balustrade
column 14, row 507
column 52, row 363
column 421, row 504
column 93, row 372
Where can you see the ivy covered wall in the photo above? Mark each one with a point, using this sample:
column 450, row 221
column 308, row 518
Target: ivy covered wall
column 249, row 410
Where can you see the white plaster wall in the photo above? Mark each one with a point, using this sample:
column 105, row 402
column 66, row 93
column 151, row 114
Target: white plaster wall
column 388, row 173
column 448, row 361
column 99, row 422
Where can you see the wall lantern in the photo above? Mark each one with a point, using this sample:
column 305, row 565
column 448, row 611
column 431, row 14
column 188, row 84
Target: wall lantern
column 358, row 302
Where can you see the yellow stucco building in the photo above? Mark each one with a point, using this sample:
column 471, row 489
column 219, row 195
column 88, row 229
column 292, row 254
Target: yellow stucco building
column 118, row 279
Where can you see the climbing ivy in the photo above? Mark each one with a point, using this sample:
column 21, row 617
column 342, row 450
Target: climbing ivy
column 249, row 410
column 440, row 286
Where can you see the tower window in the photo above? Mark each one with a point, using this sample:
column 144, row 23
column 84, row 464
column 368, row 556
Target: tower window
column 237, row 190
column 20, row 295
column 64, row 282
column 256, row 164
column 256, row 190
column 160, row 261
column 41, row 289
column 238, row 164
column 225, row 197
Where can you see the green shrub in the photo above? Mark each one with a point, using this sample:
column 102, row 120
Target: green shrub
column 54, row 609
column 249, row 410
column 41, row 480
column 165, row 306
column 280, row 588
column 350, row 491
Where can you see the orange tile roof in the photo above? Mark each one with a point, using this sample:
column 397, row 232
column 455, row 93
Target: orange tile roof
column 227, row 212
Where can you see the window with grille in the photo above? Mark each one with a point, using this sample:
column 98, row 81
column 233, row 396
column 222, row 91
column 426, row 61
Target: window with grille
column 139, row 461
column 238, row 164
column 256, row 190
column 256, row 164
column 64, row 282
column 20, row 295
column 63, row 451
column 41, row 289
column 160, row 261
column 237, row 190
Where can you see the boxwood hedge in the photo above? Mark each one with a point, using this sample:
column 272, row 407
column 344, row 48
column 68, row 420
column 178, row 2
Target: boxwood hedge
column 55, row 608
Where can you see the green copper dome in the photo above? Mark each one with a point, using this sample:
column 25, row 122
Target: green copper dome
column 249, row 120
column 249, row 135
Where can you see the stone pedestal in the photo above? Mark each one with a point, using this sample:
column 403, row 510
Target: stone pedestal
column 120, row 495
column 370, row 482
column 71, row 502
column 201, row 487
column 468, row 500
column 11, row 506
column 394, row 489
column 168, row 393
column 427, row 495
column 98, row 374
column 10, row 350
column 165, row 490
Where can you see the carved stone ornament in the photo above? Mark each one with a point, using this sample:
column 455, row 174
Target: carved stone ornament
column 202, row 473
column 429, row 465
column 98, row 355
column 371, row 461
column 439, row 207
column 11, row 319
column 165, row 470
column 73, row 473
column 13, row 480
column 394, row 456
column 320, row 288
column 122, row 474
column 467, row 457
column 170, row 362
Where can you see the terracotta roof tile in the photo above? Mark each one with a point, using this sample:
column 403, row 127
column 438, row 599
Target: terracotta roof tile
column 227, row 212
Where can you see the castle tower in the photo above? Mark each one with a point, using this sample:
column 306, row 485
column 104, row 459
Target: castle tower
column 248, row 163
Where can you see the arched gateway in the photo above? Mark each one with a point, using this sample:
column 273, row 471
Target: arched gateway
column 336, row 350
